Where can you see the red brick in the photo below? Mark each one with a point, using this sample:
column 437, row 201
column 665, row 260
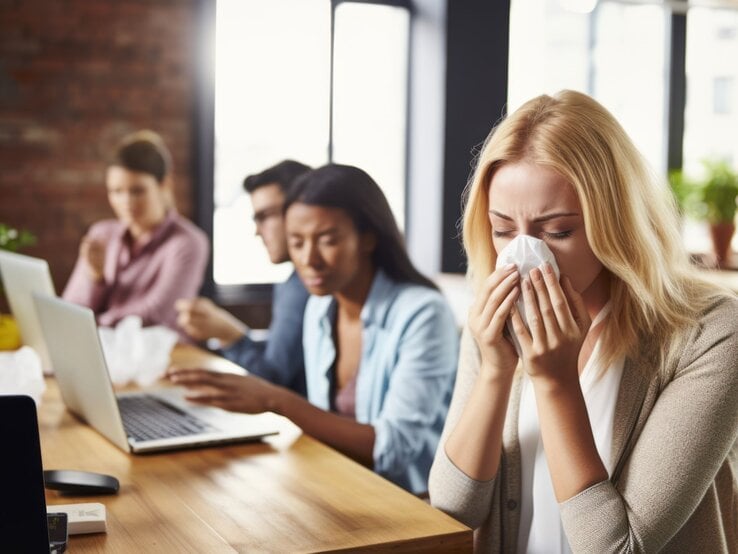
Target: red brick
column 72, row 83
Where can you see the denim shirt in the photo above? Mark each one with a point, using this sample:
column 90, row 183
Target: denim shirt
column 279, row 359
column 405, row 377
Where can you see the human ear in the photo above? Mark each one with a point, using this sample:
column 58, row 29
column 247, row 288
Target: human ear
column 368, row 242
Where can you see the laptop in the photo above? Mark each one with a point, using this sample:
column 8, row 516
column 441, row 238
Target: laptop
column 138, row 422
column 22, row 276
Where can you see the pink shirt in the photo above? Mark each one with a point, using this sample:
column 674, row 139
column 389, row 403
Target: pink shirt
column 144, row 281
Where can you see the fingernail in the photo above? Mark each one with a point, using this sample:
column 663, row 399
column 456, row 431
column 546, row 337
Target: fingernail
column 526, row 283
column 509, row 267
column 547, row 268
column 536, row 274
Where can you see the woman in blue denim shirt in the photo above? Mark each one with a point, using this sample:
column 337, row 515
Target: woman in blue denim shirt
column 380, row 341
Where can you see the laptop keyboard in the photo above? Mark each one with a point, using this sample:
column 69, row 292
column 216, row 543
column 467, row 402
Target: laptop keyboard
column 146, row 417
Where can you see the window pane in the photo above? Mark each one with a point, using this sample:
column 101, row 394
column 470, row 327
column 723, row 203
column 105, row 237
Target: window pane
column 630, row 73
column 272, row 77
column 615, row 54
column 710, row 120
column 370, row 94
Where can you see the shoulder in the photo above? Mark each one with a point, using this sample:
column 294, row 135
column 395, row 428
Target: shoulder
column 408, row 302
column 718, row 321
column 712, row 342
column 187, row 234
column 293, row 287
column 410, row 294
column 722, row 313
column 184, row 226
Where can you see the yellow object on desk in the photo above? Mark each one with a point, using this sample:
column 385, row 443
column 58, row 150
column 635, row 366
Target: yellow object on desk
column 10, row 338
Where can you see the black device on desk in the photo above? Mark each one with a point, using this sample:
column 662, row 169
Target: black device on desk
column 23, row 520
column 67, row 481
column 58, row 532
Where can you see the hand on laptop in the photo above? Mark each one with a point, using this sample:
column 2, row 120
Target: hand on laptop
column 93, row 253
column 236, row 393
column 202, row 320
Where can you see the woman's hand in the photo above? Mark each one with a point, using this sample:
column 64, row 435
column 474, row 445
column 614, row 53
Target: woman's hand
column 93, row 253
column 487, row 318
column 559, row 323
column 201, row 319
column 235, row 393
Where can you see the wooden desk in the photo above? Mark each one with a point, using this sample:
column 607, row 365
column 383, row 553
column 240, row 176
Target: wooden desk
column 289, row 493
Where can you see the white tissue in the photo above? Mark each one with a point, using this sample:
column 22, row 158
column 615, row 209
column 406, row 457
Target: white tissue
column 20, row 373
column 526, row 252
column 136, row 353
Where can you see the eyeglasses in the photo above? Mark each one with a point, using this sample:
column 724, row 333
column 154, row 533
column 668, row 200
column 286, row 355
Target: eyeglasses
column 262, row 215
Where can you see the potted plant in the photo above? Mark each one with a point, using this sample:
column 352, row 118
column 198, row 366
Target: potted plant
column 13, row 240
column 711, row 198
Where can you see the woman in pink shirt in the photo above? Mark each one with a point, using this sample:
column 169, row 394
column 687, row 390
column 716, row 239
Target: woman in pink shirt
column 141, row 262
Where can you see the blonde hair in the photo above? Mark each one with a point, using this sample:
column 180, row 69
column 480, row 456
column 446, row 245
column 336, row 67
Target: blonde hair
column 629, row 217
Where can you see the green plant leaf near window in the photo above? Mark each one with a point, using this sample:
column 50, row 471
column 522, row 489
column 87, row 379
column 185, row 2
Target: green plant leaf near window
column 712, row 197
column 13, row 239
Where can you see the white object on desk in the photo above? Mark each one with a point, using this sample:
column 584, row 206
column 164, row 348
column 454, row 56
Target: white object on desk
column 83, row 518
column 20, row 373
column 136, row 353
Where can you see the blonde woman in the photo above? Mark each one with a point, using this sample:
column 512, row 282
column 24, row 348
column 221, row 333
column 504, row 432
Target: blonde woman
column 617, row 436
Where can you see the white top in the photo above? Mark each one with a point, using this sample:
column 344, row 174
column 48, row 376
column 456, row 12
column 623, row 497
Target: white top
column 540, row 521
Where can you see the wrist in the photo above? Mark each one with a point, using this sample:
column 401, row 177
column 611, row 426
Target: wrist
column 493, row 376
column 280, row 400
column 555, row 386
column 232, row 334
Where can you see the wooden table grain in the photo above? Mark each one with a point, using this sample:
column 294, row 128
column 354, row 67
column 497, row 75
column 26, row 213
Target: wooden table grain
column 289, row 493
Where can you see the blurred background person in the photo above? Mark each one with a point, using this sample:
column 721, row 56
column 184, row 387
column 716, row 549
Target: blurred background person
column 380, row 341
column 279, row 359
column 146, row 258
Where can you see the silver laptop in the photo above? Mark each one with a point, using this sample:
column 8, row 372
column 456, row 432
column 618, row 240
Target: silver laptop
column 138, row 422
column 22, row 276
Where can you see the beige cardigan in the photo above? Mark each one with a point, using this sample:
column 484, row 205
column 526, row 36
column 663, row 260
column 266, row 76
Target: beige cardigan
column 675, row 445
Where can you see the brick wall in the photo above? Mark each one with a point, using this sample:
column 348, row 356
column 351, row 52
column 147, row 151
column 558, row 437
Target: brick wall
column 75, row 76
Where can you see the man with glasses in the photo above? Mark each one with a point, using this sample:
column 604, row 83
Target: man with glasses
column 280, row 358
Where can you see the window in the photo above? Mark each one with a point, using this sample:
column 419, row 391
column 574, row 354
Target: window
column 370, row 94
column 272, row 78
column 273, row 100
column 614, row 53
column 710, row 120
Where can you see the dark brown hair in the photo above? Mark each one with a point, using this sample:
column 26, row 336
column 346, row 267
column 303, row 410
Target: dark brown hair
column 145, row 152
column 352, row 190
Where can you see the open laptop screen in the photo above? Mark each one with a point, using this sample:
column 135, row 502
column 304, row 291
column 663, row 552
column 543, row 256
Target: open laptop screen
column 22, row 276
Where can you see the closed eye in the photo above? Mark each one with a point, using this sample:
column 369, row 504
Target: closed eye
column 557, row 236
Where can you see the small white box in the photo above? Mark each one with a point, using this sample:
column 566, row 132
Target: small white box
column 82, row 518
